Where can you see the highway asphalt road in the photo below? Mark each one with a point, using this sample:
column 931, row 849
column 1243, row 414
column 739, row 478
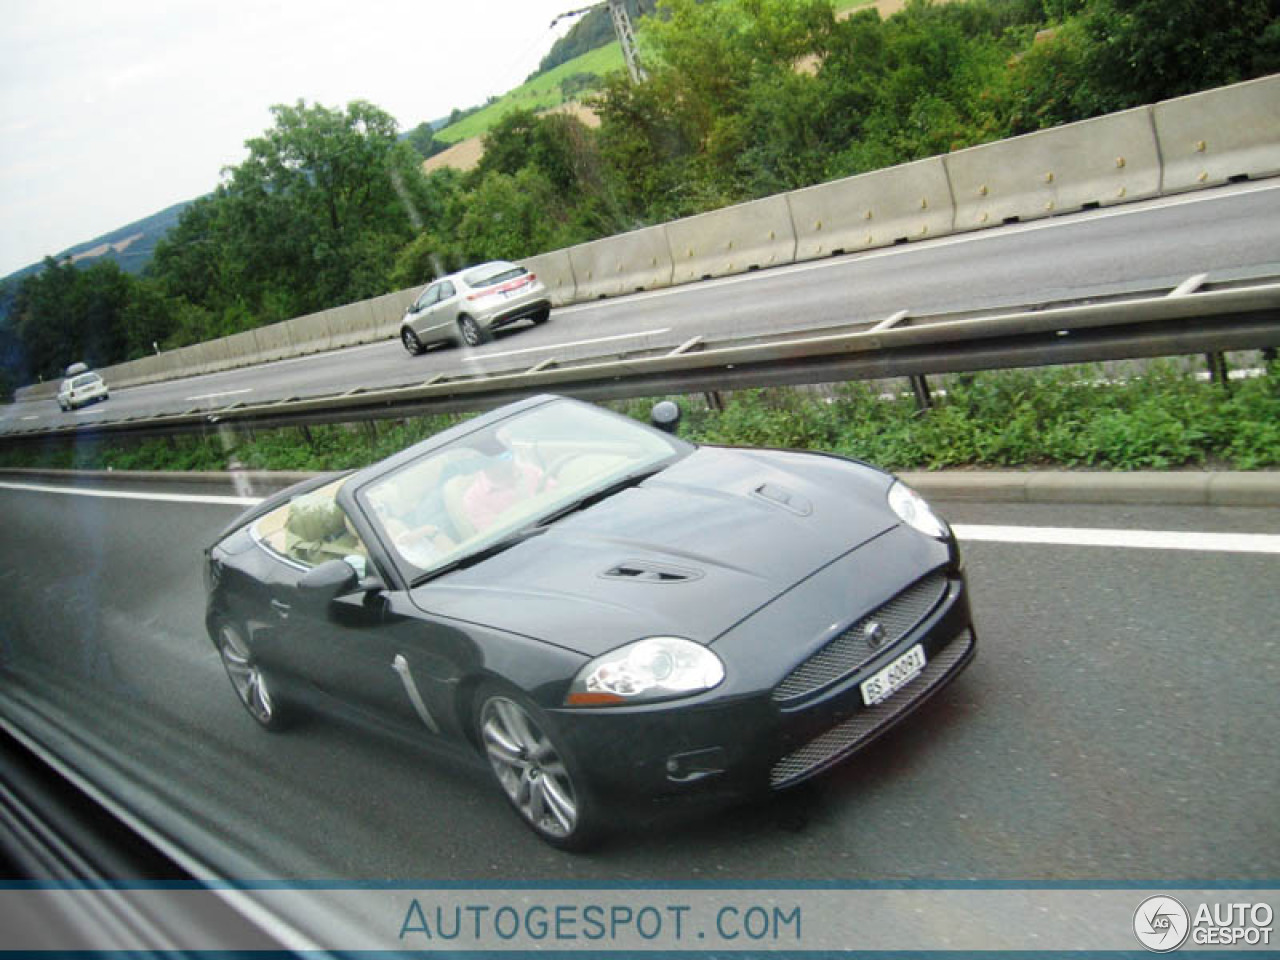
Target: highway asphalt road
column 1119, row 724
column 1225, row 233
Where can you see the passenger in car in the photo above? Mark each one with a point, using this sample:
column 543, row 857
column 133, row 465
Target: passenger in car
column 502, row 484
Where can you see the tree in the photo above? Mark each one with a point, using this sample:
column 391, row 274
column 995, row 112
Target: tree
column 422, row 139
column 509, row 216
column 311, row 219
column 1148, row 50
column 65, row 314
column 1109, row 55
column 674, row 144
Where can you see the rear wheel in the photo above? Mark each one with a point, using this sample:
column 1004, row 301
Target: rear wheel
column 472, row 333
column 542, row 316
column 248, row 679
column 539, row 778
column 411, row 341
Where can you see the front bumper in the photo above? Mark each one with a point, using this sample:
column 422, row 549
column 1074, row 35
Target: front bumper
column 737, row 741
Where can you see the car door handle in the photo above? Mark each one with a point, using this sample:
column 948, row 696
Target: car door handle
column 282, row 608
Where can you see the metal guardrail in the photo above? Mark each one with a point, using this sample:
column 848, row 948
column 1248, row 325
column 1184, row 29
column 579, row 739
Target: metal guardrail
column 1191, row 318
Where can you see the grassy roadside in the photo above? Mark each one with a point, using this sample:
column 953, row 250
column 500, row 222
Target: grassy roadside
column 1057, row 418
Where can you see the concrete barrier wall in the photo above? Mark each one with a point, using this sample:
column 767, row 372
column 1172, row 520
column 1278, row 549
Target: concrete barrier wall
column 1209, row 138
column 909, row 202
column 273, row 341
column 184, row 361
column 310, row 334
column 1112, row 159
column 241, row 350
column 388, row 310
column 144, row 370
column 37, row 391
column 124, row 374
column 736, row 239
column 352, row 324
column 555, row 270
column 639, row 260
column 135, row 372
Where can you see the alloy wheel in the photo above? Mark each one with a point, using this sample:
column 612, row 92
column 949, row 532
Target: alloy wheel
column 529, row 767
column 472, row 332
column 246, row 677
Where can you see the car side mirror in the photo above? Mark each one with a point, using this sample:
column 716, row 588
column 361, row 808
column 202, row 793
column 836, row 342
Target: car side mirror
column 665, row 415
column 323, row 584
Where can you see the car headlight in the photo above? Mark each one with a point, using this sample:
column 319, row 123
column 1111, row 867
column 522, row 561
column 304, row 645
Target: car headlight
column 915, row 512
column 656, row 668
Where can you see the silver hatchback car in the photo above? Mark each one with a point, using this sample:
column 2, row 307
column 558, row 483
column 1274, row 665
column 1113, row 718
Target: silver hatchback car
column 466, row 307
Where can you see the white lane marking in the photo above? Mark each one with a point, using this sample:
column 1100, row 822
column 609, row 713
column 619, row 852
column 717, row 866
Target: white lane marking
column 978, row 236
column 124, row 495
column 1132, row 539
column 1047, row 536
column 36, row 417
column 225, row 393
column 477, row 358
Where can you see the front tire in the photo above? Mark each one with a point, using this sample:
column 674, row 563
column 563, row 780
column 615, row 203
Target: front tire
column 411, row 341
column 252, row 687
column 473, row 335
column 539, row 778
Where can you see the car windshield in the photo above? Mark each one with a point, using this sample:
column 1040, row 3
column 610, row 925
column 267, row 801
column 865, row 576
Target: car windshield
column 84, row 381
column 500, row 482
column 491, row 274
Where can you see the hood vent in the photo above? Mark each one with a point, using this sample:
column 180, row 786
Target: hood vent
column 645, row 571
column 782, row 497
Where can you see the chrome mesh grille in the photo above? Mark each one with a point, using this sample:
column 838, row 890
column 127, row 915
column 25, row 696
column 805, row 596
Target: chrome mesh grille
column 850, row 650
column 842, row 740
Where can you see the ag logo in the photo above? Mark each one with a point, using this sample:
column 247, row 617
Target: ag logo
column 1161, row 924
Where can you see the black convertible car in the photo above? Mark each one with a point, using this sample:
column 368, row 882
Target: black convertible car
column 603, row 610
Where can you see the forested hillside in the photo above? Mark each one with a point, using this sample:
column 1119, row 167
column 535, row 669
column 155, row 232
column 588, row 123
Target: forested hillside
column 331, row 206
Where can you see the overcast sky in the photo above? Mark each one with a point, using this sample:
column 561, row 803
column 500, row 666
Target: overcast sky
column 111, row 110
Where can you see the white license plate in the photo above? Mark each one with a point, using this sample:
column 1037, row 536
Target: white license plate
column 889, row 680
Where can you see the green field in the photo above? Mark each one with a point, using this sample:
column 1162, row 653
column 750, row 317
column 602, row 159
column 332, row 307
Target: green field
column 543, row 92
column 540, row 93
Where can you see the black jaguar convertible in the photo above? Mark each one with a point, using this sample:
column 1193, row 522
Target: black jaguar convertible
column 602, row 610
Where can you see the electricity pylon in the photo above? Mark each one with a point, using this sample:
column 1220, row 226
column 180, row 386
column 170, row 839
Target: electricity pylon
column 626, row 34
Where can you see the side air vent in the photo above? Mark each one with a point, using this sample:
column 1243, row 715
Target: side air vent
column 644, row 571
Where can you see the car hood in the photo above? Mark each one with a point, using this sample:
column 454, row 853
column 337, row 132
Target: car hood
column 690, row 552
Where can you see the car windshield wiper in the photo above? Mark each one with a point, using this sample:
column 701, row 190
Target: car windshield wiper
column 484, row 553
column 604, row 493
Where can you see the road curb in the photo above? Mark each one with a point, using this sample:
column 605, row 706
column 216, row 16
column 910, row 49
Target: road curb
column 1208, row 489
column 1205, row 489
